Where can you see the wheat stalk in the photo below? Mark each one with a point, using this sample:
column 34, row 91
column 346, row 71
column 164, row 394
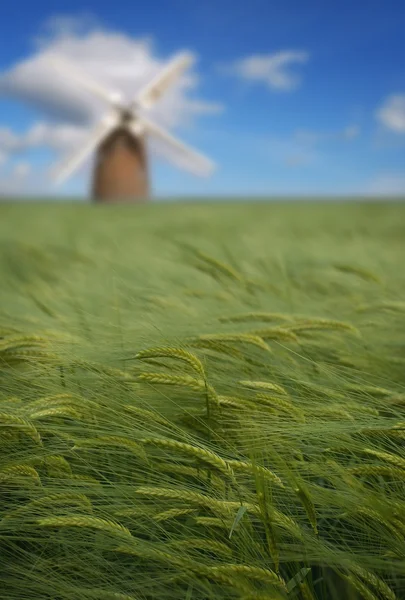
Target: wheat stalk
column 260, row 574
column 58, row 399
column 18, row 471
column 378, row 470
column 263, row 386
column 101, row 594
column 21, row 424
column 370, row 514
column 372, row 580
column 281, row 403
column 238, row 465
column 215, row 346
column 368, row 389
column 359, row 586
column 58, row 464
column 276, row 333
column 322, row 324
column 109, row 440
column 308, row 504
column 272, row 542
column 235, row 402
column 182, row 495
column 242, row 338
column 165, row 379
column 193, row 473
column 84, row 479
column 197, row 569
column 19, row 341
column 200, row 453
column 147, row 415
column 220, row 266
column 85, row 521
column 177, row 353
column 59, row 411
column 172, row 513
column 306, row 592
column 212, row 522
column 46, row 501
column 221, row 507
column 256, row 316
column 36, row 354
column 397, row 461
column 202, row 544
column 182, row 470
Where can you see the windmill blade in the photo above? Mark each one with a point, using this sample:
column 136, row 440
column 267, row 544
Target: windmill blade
column 66, row 169
column 197, row 163
column 69, row 69
column 163, row 80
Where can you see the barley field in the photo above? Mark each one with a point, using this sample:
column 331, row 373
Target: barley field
column 202, row 401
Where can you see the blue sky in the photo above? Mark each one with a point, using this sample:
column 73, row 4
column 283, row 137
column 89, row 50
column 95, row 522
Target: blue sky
column 329, row 119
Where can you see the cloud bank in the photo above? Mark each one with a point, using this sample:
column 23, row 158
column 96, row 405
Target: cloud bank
column 273, row 70
column 392, row 113
column 118, row 61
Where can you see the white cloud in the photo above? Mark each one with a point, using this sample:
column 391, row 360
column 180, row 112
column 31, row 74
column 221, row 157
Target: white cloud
column 270, row 69
column 118, row 61
column 392, row 113
column 21, row 170
column 60, row 138
column 20, row 179
column 303, row 147
column 312, row 138
column 386, row 184
column 67, row 25
column 9, row 141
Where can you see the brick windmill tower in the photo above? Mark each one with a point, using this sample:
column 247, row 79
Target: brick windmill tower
column 120, row 171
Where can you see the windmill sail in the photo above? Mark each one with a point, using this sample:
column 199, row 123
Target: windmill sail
column 163, row 80
column 74, row 162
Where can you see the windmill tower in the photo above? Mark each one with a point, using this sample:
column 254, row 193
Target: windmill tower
column 121, row 164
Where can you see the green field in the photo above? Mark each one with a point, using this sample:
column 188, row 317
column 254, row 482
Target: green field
column 202, row 401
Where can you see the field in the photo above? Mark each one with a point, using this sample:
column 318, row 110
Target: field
column 202, row 401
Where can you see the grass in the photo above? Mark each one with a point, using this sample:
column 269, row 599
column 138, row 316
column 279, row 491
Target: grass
column 202, row 401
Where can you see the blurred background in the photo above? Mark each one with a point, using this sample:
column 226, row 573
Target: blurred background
column 289, row 98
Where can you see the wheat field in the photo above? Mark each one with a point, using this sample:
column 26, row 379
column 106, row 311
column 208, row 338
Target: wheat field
column 202, row 401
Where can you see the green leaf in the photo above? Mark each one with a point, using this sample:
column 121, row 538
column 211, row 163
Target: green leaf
column 239, row 515
column 298, row 578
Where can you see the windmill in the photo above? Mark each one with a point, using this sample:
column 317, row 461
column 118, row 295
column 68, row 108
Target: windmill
column 120, row 170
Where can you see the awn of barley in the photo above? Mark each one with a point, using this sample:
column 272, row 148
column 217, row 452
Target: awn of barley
column 85, row 521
